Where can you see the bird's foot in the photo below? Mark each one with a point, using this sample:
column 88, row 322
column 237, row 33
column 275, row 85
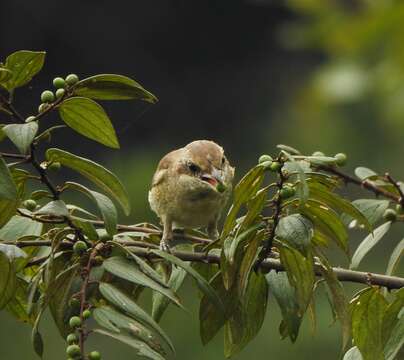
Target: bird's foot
column 164, row 246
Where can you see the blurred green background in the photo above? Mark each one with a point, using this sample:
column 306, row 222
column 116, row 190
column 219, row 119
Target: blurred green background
column 315, row 74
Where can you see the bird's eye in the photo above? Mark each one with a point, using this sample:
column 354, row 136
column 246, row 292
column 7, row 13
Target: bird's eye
column 223, row 160
column 194, row 168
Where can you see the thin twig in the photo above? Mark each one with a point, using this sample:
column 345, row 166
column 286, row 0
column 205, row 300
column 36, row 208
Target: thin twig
column 365, row 183
column 397, row 186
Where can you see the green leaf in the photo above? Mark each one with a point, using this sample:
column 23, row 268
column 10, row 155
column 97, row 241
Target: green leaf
column 36, row 337
column 255, row 206
column 160, row 302
column 295, row 230
column 8, row 190
column 364, row 173
column 353, row 354
column 104, row 204
column 288, row 149
column 211, row 318
column 232, row 254
column 5, row 75
column 243, row 191
column 89, row 119
column 327, row 221
column 143, row 265
column 339, row 301
column 367, row 318
column 285, row 296
column 395, row 258
column 248, row 317
column 127, row 270
column 372, row 209
column 122, row 301
column 86, row 227
column 61, row 285
column 393, row 326
column 19, row 227
column 12, row 252
column 100, row 176
column 24, row 65
column 300, row 274
column 54, row 208
column 21, row 135
column 8, row 280
column 142, row 349
column 321, row 160
column 127, row 325
column 202, row 283
column 112, row 87
column 368, row 243
column 18, row 305
column 321, row 193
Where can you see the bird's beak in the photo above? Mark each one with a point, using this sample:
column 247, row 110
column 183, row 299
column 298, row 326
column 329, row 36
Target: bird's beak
column 215, row 179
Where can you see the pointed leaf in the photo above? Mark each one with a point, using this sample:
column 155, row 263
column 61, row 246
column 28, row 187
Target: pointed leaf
column 296, row 230
column 160, row 302
column 19, row 227
column 89, row 119
column 104, row 204
column 247, row 186
column 100, row 176
column 112, row 87
column 368, row 243
column 24, row 65
column 142, row 349
column 395, row 258
column 202, row 283
column 364, row 173
column 21, row 135
column 285, row 296
column 54, row 208
column 127, row 325
column 367, row 318
column 128, row 270
column 122, row 301
column 372, row 209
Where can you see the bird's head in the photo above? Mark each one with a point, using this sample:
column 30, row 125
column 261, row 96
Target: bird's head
column 206, row 163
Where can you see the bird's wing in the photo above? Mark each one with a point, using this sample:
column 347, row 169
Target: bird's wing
column 164, row 165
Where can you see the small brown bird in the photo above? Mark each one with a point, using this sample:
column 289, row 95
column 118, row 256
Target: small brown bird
column 190, row 188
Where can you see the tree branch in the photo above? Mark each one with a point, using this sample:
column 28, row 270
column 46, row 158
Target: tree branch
column 143, row 249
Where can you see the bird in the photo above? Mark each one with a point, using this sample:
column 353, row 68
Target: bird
column 190, row 189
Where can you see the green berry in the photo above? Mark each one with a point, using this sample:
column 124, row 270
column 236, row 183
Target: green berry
column 287, row 192
column 47, row 96
column 104, row 237
column 275, row 166
column 86, row 314
column 390, row 215
column 59, row 82
column 42, row 108
column 29, row 119
column 71, row 338
column 73, row 350
column 264, row 158
column 60, row 93
column 74, row 322
column 79, row 246
column 318, row 153
column 94, row 355
column 29, row 204
column 72, row 79
column 221, row 187
column 266, row 165
column 340, row 159
column 54, row 166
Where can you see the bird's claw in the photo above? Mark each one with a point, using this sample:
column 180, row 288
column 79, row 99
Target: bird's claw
column 164, row 246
